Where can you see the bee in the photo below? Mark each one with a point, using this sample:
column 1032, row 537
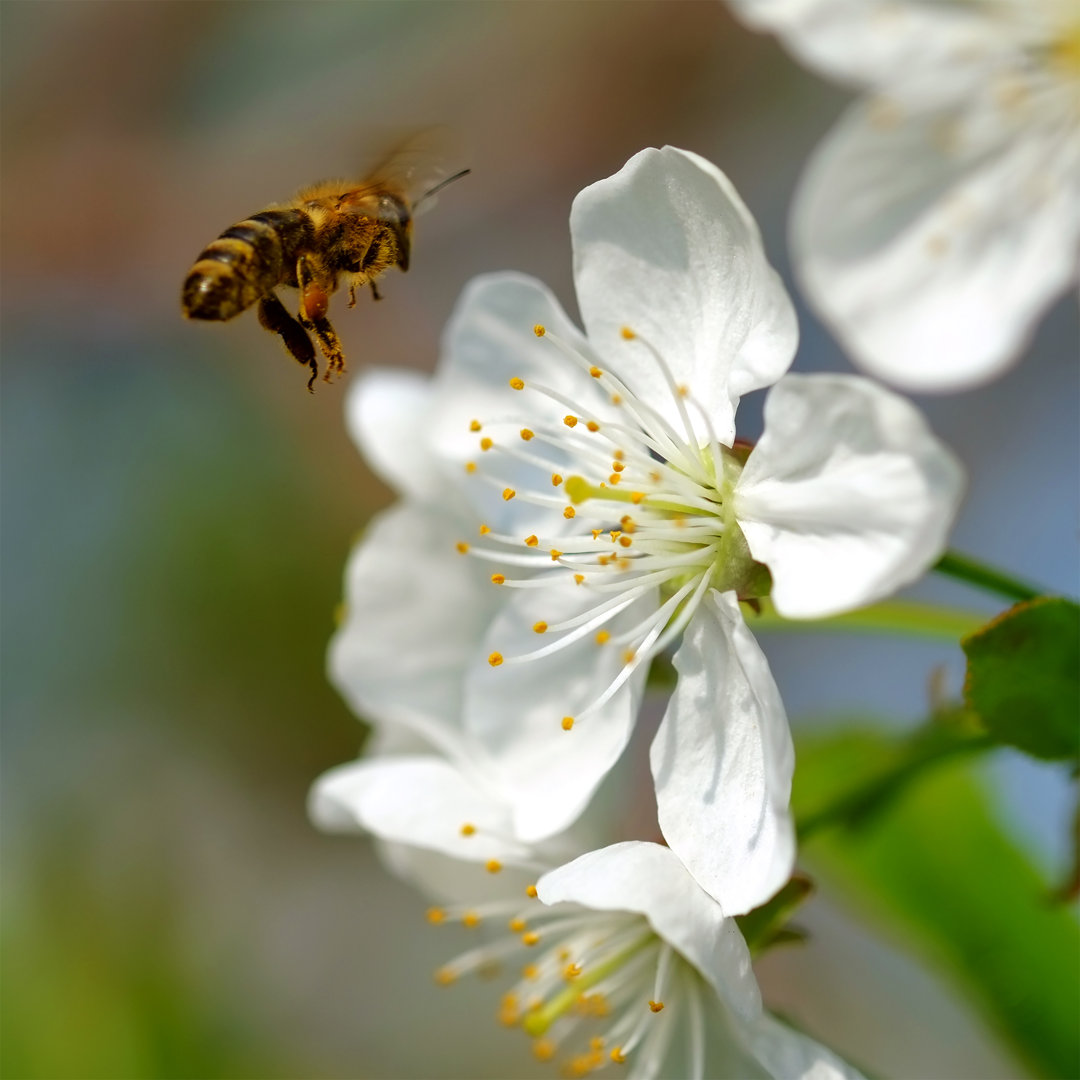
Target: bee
column 331, row 231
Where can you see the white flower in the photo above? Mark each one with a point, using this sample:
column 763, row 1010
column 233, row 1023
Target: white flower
column 942, row 214
column 618, row 522
column 621, row 956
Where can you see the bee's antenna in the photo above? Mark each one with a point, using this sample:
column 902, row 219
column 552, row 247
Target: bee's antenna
column 439, row 186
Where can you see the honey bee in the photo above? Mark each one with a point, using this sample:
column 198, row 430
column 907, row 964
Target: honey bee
column 330, row 231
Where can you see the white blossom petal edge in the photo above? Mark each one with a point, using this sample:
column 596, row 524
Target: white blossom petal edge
column 942, row 215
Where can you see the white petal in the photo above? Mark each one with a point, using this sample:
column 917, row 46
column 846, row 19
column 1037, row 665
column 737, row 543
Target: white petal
column 422, row 801
column 387, row 414
column 873, row 42
column 933, row 237
column 847, row 497
column 789, row 1055
column 416, row 610
column 488, row 341
column 650, row 879
column 722, row 762
column 667, row 248
column 515, row 711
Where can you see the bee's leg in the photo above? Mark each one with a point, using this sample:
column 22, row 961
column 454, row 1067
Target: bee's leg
column 352, row 295
column 277, row 320
column 314, row 300
column 328, row 341
column 374, row 291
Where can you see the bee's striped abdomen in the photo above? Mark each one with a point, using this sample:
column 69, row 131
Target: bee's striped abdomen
column 244, row 264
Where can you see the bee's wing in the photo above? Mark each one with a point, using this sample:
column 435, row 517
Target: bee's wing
column 415, row 166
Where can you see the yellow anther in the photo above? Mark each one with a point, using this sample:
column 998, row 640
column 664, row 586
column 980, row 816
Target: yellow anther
column 596, row 1043
column 618, row 465
column 517, row 384
column 628, row 524
column 564, row 954
column 595, row 372
column 570, row 420
column 571, row 971
column 579, row 579
column 619, row 455
column 602, row 637
column 679, row 522
column 463, row 548
column 556, row 479
column 592, row 425
column 596, row 533
column 509, row 1013
column 508, row 494
column 614, row 534
column 569, row 512
column 474, row 425
column 624, row 563
column 543, row 1049
column 625, row 541
column 628, row 656
column 493, row 866
column 655, row 477
column 444, row 977
column 627, row 334
column 495, row 659
column 617, row 1055
column 616, row 399
column 637, row 497
column 539, row 330
column 532, row 541
column 486, row 443
column 567, row 723
column 468, row 829
column 498, row 579
column 470, row 919
column 530, row 971
column 530, row 938
column 614, row 478
column 526, row 434
column 518, row 925
column 470, row 466
column 683, row 389
column 539, row 627
column 485, row 529
column 603, row 560
column 656, row 1006
column 436, row 915
column 556, row 555
column 530, row 891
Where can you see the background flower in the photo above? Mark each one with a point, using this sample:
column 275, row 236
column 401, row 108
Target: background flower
column 941, row 216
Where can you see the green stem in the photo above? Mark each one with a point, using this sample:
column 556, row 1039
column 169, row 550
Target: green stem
column 984, row 576
column 888, row 617
column 856, row 804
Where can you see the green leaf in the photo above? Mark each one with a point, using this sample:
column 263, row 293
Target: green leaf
column 766, row 925
column 1023, row 677
column 934, row 866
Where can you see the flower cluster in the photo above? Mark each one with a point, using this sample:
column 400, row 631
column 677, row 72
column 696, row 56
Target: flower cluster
column 575, row 506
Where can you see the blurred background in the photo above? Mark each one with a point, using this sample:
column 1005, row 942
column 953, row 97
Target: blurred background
column 177, row 511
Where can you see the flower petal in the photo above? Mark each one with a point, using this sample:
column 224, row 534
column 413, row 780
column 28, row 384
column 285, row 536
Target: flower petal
column 421, row 801
column 666, row 247
column 789, row 1055
column 722, row 761
column 847, row 497
column 871, row 42
column 489, row 341
column 932, row 236
column 387, row 414
column 416, row 610
column 650, row 879
column 516, row 711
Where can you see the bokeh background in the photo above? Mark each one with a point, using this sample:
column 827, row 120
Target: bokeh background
column 177, row 512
